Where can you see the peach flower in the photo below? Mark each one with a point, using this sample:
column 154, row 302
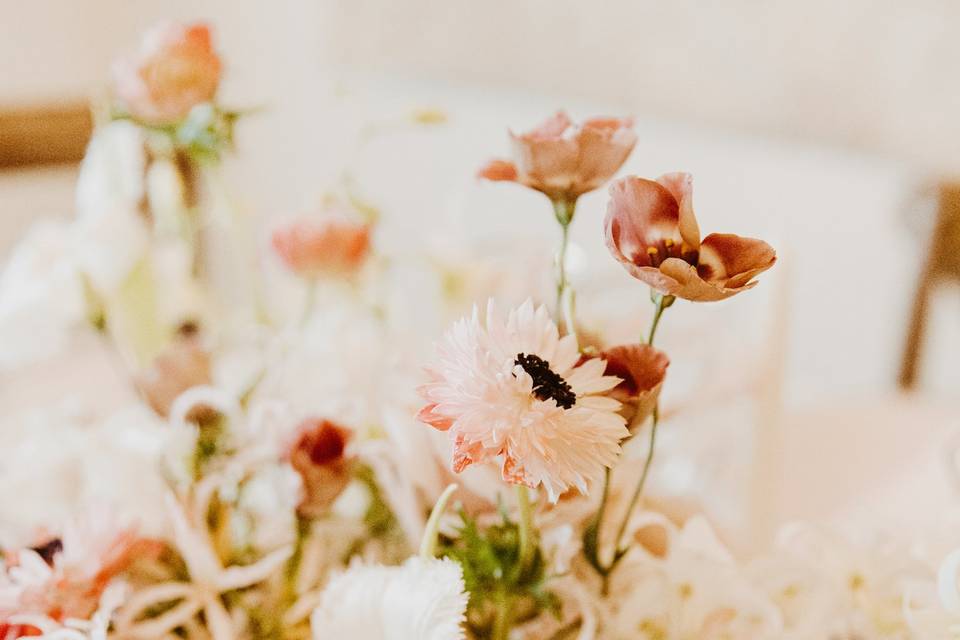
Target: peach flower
column 651, row 230
column 641, row 369
column 564, row 160
column 318, row 453
column 332, row 246
column 183, row 365
column 175, row 70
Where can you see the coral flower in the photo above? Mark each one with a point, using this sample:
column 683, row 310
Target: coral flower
column 317, row 452
column 651, row 230
column 515, row 389
column 642, row 369
column 175, row 70
column 332, row 246
column 564, row 160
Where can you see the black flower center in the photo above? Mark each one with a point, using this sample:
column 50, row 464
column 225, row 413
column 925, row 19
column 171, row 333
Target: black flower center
column 546, row 382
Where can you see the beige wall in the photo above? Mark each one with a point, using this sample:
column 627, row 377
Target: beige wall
column 879, row 76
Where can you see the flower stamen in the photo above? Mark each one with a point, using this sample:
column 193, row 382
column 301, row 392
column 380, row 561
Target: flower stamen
column 547, row 384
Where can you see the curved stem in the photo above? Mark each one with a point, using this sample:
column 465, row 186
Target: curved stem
column 527, row 536
column 661, row 302
column 638, row 491
column 428, row 544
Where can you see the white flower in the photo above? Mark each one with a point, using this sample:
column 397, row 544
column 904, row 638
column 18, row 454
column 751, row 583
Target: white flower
column 422, row 599
column 41, row 296
column 515, row 388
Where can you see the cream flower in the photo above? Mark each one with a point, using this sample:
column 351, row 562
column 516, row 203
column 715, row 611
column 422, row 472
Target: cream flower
column 516, row 388
column 422, row 599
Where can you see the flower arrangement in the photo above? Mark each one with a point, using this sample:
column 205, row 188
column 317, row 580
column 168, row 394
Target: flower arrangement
column 307, row 478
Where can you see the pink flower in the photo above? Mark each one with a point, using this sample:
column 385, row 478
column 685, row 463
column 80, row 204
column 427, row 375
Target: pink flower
column 651, row 230
column 515, row 389
column 70, row 582
column 318, row 454
column 564, row 160
column 333, row 246
column 642, row 369
column 175, row 70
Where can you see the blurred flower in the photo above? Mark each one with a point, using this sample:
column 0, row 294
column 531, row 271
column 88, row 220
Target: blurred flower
column 176, row 69
column 515, row 388
column 564, row 160
column 641, row 369
column 332, row 246
column 651, row 230
column 93, row 551
column 182, row 365
column 41, row 296
column 421, row 599
column 317, row 453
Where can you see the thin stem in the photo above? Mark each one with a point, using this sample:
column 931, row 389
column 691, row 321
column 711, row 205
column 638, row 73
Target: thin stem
column 428, row 545
column 304, row 527
column 527, row 535
column 638, row 491
column 661, row 302
column 564, row 211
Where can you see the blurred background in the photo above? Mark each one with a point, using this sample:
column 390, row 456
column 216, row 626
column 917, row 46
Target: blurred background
column 828, row 128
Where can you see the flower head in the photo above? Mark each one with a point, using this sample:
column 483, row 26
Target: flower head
column 175, row 70
column 318, row 454
column 333, row 245
column 641, row 369
column 564, row 160
column 651, row 230
column 516, row 389
column 422, row 599
column 183, row 365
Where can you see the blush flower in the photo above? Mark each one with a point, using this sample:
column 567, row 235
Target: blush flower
column 564, row 160
column 333, row 246
column 514, row 389
column 176, row 69
column 651, row 230
column 642, row 369
column 183, row 365
column 317, row 453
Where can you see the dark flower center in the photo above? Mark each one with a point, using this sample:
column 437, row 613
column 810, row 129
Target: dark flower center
column 546, row 382
column 661, row 250
column 49, row 550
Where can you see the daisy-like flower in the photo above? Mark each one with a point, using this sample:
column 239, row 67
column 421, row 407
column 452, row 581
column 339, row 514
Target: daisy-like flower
column 423, row 598
column 514, row 388
column 651, row 230
column 563, row 160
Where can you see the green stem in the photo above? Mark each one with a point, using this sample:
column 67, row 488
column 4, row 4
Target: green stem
column 304, row 526
column 428, row 545
column 564, row 211
column 661, row 302
column 504, row 618
column 527, row 535
column 638, row 491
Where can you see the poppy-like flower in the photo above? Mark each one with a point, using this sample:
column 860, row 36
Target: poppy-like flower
column 317, row 452
column 66, row 577
column 423, row 598
column 333, row 246
column 641, row 369
column 175, row 70
column 564, row 160
column 651, row 230
column 183, row 365
column 514, row 388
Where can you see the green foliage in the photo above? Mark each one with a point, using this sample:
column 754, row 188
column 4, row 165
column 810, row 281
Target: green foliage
column 204, row 134
column 493, row 576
